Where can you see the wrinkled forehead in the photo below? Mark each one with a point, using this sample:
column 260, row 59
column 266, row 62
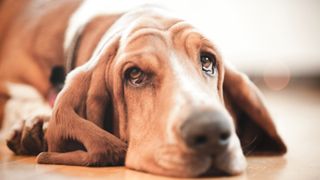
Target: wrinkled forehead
column 156, row 30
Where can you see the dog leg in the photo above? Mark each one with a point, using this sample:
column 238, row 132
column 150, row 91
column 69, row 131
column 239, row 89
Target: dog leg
column 73, row 158
column 102, row 147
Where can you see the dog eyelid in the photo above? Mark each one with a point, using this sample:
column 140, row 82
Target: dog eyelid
column 208, row 63
column 135, row 76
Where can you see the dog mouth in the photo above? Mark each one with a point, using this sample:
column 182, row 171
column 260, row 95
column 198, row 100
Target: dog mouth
column 178, row 163
column 182, row 164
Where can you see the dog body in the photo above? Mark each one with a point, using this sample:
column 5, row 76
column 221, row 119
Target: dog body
column 145, row 88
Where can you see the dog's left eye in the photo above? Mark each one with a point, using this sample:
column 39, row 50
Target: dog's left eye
column 208, row 62
column 135, row 75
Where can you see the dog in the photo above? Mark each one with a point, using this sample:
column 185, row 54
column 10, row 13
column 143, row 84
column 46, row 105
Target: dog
column 143, row 88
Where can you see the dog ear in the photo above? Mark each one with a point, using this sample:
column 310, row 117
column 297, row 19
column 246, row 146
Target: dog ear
column 85, row 98
column 85, row 92
column 93, row 96
column 254, row 125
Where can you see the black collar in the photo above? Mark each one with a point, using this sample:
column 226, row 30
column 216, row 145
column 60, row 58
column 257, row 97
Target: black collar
column 72, row 52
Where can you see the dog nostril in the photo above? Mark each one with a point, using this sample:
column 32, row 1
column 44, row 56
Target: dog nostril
column 201, row 139
column 224, row 137
column 207, row 132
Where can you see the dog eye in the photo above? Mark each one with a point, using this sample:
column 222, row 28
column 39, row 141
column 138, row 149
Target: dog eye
column 135, row 75
column 208, row 62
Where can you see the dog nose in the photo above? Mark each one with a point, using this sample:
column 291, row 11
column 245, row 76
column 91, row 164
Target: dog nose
column 207, row 132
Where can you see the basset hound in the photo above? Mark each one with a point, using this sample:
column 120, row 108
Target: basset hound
column 143, row 88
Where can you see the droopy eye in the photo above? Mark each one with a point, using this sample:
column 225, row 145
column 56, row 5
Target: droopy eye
column 135, row 76
column 208, row 62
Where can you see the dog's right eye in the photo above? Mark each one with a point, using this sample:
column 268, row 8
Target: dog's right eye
column 135, row 76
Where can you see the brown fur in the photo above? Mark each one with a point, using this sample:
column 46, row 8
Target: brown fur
column 98, row 118
column 245, row 103
column 25, row 43
column 91, row 36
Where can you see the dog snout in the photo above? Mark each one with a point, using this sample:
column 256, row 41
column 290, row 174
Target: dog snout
column 206, row 132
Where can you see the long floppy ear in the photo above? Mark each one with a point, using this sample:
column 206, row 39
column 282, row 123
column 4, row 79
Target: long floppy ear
column 75, row 134
column 95, row 103
column 254, row 125
column 93, row 97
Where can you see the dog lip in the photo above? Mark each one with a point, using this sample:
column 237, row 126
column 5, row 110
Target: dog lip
column 179, row 162
column 182, row 164
column 231, row 161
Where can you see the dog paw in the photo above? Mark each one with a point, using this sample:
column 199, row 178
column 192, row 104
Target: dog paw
column 27, row 136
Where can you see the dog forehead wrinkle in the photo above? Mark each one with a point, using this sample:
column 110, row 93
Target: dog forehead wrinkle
column 179, row 27
column 140, row 21
column 133, row 31
column 155, row 33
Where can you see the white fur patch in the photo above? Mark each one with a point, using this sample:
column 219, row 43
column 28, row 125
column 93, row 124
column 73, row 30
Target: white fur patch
column 189, row 92
column 25, row 103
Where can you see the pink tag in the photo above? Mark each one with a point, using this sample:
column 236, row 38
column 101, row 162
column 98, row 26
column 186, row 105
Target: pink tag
column 52, row 97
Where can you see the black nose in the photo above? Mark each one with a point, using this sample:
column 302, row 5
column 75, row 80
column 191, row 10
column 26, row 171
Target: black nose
column 207, row 132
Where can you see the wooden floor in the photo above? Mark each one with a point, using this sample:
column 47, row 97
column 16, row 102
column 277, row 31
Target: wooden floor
column 296, row 109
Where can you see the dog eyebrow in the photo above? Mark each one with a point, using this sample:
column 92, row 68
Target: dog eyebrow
column 146, row 32
column 179, row 26
column 194, row 42
column 142, row 56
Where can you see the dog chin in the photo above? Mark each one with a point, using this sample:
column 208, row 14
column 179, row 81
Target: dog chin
column 175, row 162
column 180, row 164
column 231, row 161
column 227, row 164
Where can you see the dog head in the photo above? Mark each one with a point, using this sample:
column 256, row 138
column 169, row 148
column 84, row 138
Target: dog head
column 165, row 90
